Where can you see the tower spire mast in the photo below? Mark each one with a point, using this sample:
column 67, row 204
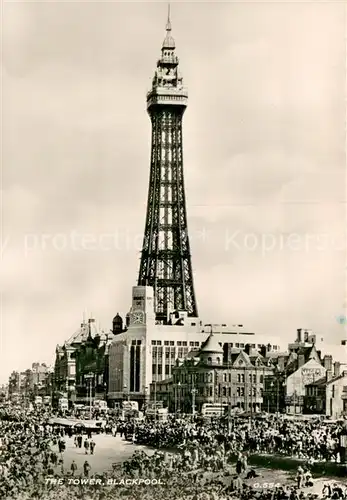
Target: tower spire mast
column 165, row 258
column 168, row 23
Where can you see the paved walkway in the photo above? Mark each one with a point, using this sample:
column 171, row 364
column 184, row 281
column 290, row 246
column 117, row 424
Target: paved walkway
column 108, row 450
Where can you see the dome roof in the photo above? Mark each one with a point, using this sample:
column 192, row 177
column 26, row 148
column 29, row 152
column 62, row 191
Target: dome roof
column 212, row 345
column 169, row 42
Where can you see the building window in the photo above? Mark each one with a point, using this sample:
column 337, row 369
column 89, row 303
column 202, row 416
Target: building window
column 184, row 343
column 253, row 346
column 154, row 369
column 154, row 342
column 133, row 342
column 242, row 378
column 158, row 342
column 218, row 361
column 167, row 354
column 254, row 391
column 179, row 343
column 209, row 361
column 333, row 391
column 173, row 354
column 242, row 391
column 172, row 342
column 224, row 391
column 167, row 369
column 239, row 377
column 160, row 369
column 193, row 324
column 196, row 344
column 166, row 342
column 242, row 346
column 254, row 378
column 238, row 391
column 261, row 378
column 229, row 377
column 237, row 345
column 191, row 344
column 210, row 392
column 224, row 377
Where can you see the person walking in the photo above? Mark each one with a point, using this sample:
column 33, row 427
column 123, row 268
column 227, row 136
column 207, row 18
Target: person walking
column 92, row 447
column 86, row 468
column 73, row 467
column 79, row 440
column 86, row 446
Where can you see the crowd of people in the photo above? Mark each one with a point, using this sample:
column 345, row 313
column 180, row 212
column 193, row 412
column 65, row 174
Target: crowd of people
column 198, row 467
column 301, row 439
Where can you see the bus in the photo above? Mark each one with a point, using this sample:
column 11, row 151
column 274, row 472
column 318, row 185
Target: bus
column 214, row 410
column 100, row 404
column 63, row 404
column 130, row 405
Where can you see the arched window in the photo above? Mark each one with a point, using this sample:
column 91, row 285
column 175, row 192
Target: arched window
column 218, row 361
column 261, row 379
column 209, row 361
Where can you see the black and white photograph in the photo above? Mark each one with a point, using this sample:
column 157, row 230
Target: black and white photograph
column 173, row 306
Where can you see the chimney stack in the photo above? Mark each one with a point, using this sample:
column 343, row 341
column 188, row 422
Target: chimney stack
column 299, row 335
column 301, row 360
column 247, row 348
column 281, row 363
column 337, row 369
column 329, row 375
column 306, row 336
column 328, row 362
column 263, row 351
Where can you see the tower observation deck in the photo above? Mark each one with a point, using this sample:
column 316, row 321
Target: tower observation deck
column 165, row 258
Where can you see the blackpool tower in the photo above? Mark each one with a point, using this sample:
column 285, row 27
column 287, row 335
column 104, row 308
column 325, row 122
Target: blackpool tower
column 165, row 258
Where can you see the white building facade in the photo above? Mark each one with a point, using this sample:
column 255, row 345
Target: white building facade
column 147, row 351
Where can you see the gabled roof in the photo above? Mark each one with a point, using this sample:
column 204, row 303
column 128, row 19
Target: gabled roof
column 242, row 359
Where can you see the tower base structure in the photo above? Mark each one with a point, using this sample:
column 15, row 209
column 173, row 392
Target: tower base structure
column 147, row 351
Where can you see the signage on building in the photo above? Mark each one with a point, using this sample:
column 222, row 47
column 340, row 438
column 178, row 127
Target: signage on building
column 294, row 400
column 310, row 375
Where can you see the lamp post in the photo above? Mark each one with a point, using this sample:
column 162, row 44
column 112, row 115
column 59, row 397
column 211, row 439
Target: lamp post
column 126, row 393
column 146, row 399
column 89, row 377
column 194, row 391
column 179, row 397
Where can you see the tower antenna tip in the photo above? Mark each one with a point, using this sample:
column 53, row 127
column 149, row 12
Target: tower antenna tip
column 168, row 23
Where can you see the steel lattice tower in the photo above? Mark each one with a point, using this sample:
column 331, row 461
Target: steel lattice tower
column 165, row 259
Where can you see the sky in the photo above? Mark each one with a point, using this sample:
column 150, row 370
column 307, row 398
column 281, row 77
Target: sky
column 264, row 160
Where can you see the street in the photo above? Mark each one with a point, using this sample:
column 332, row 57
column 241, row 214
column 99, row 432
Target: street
column 108, row 450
